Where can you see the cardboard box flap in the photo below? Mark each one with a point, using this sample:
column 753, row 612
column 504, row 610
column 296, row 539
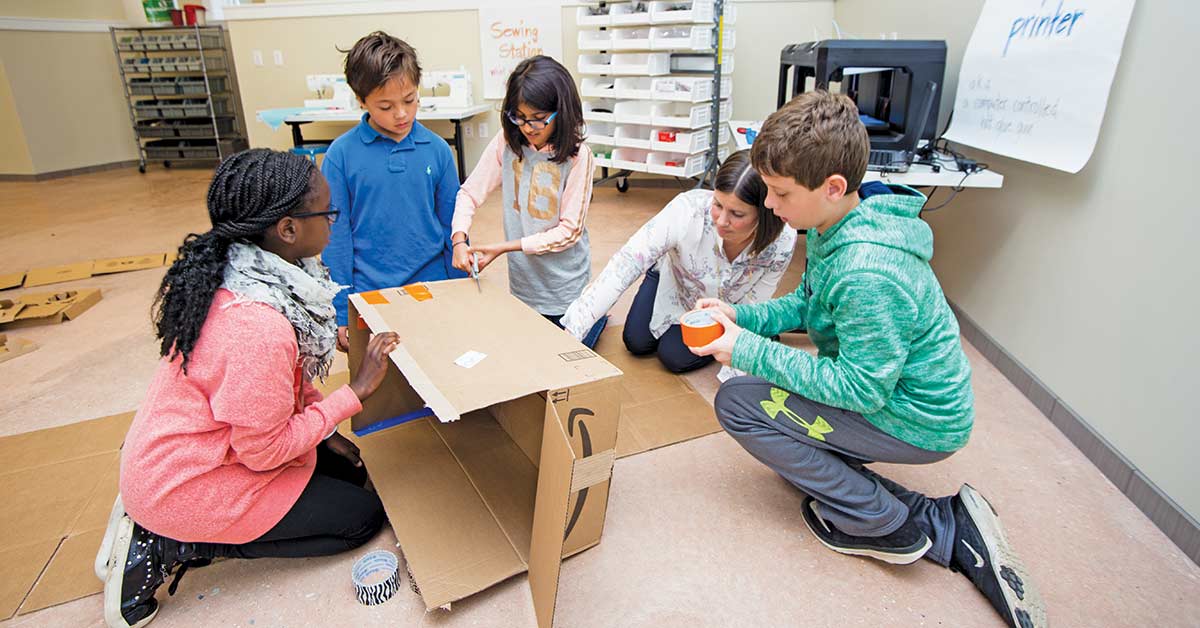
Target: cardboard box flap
column 531, row 355
column 550, row 517
column 58, row 274
column 70, row 575
column 9, row 310
column 425, row 488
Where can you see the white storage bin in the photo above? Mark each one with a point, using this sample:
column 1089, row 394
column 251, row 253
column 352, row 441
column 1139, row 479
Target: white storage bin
column 600, row 133
column 688, row 37
column 595, row 40
column 679, row 141
column 676, row 164
column 631, row 39
column 634, row 112
column 682, row 88
column 598, row 110
column 726, row 109
column 682, row 115
column 630, row 13
column 597, row 87
column 595, row 64
column 633, row 136
column 602, row 155
column 630, row 159
column 593, row 16
column 643, row 64
column 682, row 11
column 702, row 64
column 635, row 87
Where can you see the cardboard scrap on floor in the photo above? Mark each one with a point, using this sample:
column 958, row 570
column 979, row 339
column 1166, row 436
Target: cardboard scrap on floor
column 83, row 270
column 59, row 485
column 46, row 308
column 12, row 347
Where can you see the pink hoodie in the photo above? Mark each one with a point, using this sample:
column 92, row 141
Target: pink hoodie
column 220, row 455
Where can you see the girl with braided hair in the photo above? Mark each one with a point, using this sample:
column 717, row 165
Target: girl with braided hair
column 234, row 453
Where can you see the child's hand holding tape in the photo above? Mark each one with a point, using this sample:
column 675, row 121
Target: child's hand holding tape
column 710, row 330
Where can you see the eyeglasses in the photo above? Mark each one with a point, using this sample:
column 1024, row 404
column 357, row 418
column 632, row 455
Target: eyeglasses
column 536, row 125
column 332, row 215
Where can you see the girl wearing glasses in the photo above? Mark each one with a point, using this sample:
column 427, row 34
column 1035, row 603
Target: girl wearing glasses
column 544, row 169
column 234, row 453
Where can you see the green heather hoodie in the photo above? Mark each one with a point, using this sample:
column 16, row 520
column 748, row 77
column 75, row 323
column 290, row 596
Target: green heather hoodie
column 887, row 342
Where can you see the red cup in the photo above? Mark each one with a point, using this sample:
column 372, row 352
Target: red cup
column 176, row 17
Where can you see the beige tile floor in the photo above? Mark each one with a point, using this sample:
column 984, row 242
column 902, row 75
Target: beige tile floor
column 698, row 534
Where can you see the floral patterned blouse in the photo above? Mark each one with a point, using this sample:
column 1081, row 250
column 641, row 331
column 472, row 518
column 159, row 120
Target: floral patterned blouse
column 690, row 256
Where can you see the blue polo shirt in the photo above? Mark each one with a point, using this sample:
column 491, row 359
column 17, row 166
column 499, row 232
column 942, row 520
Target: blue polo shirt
column 396, row 200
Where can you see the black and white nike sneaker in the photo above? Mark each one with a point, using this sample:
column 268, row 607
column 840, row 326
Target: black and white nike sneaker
column 982, row 554
column 904, row 546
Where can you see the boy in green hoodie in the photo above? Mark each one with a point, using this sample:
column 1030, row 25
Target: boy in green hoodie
column 890, row 382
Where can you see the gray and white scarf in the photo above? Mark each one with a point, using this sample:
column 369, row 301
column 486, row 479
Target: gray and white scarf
column 303, row 294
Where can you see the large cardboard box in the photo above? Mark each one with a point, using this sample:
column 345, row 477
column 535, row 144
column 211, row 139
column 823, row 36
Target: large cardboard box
column 508, row 469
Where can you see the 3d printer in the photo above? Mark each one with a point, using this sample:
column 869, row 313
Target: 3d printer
column 884, row 77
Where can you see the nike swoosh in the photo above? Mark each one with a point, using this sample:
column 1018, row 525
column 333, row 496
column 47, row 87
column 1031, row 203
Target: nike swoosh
column 978, row 558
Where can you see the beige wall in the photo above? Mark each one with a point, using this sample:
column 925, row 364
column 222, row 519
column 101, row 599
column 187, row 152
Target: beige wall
column 449, row 39
column 113, row 10
column 1091, row 279
column 69, row 99
column 14, row 152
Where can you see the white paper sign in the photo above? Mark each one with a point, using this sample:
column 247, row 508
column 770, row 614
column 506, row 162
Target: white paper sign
column 508, row 36
column 1036, row 76
column 470, row 359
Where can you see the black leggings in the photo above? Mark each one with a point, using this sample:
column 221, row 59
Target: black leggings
column 333, row 514
column 670, row 348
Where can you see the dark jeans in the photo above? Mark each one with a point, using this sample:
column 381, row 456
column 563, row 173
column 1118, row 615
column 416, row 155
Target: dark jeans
column 671, row 351
column 333, row 514
column 593, row 335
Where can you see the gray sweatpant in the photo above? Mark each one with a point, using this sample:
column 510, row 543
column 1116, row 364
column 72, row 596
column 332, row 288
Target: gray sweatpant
column 822, row 451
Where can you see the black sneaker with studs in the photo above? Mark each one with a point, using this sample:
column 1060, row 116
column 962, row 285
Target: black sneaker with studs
column 139, row 562
column 982, row 553
column 904, row 546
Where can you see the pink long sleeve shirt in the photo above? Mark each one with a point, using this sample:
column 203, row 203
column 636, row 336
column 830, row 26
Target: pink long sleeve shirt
column 220, row 455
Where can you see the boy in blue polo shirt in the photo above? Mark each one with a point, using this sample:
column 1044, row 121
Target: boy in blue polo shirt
column 393, row 180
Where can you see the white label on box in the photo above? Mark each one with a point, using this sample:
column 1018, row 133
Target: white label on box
column 469, row 359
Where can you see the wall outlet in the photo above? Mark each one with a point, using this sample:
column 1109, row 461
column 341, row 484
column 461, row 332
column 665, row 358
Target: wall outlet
column 483, row 130
column 278, row 54
column 257, row 56
column 468, row 130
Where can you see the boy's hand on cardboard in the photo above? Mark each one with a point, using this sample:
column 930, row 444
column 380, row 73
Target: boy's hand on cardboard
column 721, row 349
column 374, row 364
column 342, row 446
column 717, row 304
column 343, row 339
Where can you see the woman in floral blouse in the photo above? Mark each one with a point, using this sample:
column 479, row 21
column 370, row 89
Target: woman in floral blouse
column 721, row 243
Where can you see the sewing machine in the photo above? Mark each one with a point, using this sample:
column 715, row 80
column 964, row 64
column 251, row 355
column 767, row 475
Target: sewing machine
column 457, row 81
column 332, row 92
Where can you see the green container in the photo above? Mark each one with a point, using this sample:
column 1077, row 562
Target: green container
column 158, row 11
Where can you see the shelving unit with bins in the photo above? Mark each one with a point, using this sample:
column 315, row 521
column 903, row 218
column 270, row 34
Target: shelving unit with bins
column 656, row 85
column 182, row 93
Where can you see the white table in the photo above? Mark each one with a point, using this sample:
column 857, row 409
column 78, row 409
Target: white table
column 452, row 114
column 918, row 175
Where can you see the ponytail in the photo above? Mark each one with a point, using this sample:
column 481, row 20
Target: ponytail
column 250, row 192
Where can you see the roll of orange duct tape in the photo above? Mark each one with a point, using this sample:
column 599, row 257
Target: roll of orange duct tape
column 700, row 328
